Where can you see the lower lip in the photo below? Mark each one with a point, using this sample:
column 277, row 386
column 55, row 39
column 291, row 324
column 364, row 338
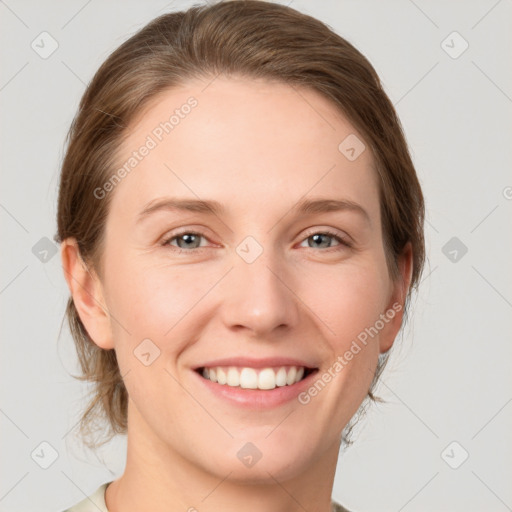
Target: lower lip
column 257, row 398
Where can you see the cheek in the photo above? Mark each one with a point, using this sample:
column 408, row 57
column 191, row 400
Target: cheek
column 349, row 304
column 347, row 299
column 348, row 307
column 153, row 300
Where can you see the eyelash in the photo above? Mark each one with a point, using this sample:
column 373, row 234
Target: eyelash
column 343, row 242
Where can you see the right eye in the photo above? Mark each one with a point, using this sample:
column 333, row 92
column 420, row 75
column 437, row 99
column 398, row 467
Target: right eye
column 186, row 240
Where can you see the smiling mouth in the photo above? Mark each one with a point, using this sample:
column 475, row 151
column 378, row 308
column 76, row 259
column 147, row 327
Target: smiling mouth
column 255, row 378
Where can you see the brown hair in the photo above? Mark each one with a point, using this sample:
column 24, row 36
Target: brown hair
column 254, row 39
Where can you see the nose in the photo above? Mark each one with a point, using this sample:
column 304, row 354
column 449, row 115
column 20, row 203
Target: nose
column 259, row 298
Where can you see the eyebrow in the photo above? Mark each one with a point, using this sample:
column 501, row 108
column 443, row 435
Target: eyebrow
column 211, row 207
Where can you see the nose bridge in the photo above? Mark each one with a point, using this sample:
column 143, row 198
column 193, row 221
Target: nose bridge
column 259, row 297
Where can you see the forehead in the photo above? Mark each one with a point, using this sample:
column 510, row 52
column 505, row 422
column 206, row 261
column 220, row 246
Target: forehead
column 244, row 142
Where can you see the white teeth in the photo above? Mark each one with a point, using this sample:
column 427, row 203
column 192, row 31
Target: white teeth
column 222, row 378
column 248, row 378
column 281, row 377
column 290, row 378
column 233, row 377
column 252, row 378
column 267, row 379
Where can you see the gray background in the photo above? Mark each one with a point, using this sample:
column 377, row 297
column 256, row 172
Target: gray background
column 449, row 381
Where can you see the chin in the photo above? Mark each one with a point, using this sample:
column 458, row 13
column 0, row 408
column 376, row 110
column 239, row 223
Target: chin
column 260, row 461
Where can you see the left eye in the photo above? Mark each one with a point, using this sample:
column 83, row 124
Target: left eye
column 320, row 237
column 191, row 240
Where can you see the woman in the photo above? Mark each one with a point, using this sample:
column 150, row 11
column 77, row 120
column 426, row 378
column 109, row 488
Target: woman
column 241, row 227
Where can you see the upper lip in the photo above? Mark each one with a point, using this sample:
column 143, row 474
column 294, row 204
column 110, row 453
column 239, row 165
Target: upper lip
column 255, row 363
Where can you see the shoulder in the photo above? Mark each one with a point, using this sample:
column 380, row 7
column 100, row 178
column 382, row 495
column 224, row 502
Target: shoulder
column 336, row 507
column 96, row 502
column 93, row 503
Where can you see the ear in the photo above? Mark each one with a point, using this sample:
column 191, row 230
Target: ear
column 87, row 293
column 395, row 309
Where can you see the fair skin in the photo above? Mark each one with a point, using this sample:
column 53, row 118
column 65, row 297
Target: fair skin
column 257, row 148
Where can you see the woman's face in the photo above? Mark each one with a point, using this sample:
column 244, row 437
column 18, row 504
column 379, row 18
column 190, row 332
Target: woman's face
column 254, row 284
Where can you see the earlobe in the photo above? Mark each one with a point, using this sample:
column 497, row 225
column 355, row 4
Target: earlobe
column 396, row 306
column 87, row 293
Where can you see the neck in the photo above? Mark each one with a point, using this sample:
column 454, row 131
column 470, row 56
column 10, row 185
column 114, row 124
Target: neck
column 158, row 478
